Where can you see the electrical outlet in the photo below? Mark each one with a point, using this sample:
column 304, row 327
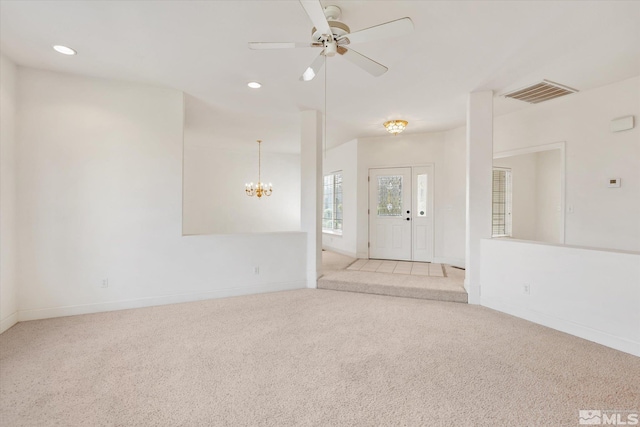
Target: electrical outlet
column 526, row 289
column 256, row 270
column 104, row 283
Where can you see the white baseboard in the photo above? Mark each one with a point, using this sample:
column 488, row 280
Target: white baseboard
column 457, row 262
column 619, row 343
column 50, row 312
column 8, row 322
column 339, row 251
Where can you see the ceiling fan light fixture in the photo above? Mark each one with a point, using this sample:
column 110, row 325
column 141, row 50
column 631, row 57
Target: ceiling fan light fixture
column 308, row 75
column 254, row 85
column 331, row 48
column 65, row 50
column 395, row 126
column 332, row 36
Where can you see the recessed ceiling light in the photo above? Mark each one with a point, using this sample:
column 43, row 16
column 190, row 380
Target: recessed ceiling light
column 254, row 85
column 64, row 50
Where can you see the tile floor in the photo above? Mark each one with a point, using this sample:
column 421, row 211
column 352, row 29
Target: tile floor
column 398, row 267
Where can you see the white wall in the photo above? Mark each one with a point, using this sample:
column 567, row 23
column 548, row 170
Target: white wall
column 214, row 196
column 344, row 158
column 311, row 159
column 8, row 241
column 594, row 294
column 549, row 197
column 100, row 196
column 446, row 154
column 451, row 207
column 601, row 217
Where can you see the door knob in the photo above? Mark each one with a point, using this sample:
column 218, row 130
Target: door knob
column 408, row 212
column 408, row 219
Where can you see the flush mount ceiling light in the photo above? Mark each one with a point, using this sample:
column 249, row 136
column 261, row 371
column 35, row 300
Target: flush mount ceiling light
column 395, row 126
column 254, row 85
column 64, row 50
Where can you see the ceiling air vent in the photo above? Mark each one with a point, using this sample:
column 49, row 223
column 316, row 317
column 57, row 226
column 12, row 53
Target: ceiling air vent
column 539, row 92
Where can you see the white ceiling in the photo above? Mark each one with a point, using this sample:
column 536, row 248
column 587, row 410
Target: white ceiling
column 200, row 47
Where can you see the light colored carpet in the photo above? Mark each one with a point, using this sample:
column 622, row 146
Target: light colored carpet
column 306, row 357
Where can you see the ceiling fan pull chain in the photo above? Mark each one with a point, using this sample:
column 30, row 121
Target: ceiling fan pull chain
column 326, row 71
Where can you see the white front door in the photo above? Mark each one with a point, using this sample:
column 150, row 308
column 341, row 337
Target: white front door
column 401, row 213
column 390, row 213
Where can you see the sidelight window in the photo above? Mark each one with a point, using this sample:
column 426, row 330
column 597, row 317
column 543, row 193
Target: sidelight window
column 332, row 203
column 501, row 203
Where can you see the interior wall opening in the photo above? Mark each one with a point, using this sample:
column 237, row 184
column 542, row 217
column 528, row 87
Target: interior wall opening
column 528, row 194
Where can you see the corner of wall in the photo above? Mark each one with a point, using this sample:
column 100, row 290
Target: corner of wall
column 8, row 322
column 8, row 199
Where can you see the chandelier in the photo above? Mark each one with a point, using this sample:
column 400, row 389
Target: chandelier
column 260, row 189
column 395, row 126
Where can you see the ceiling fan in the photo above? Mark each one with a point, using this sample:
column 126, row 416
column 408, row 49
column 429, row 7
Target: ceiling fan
column 333, row 36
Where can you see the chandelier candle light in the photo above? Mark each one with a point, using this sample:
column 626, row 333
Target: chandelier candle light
column 261, row 189
column 395, row 126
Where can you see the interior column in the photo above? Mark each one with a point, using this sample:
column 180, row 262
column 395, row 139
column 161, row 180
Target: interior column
column 479, row 181
column 311, row 191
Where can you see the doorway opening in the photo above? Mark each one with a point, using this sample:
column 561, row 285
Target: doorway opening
column 528, row 193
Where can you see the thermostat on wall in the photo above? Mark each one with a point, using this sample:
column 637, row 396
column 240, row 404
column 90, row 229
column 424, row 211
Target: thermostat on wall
column 614, row 182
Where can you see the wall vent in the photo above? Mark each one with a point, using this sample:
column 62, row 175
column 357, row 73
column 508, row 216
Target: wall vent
column 540, row 92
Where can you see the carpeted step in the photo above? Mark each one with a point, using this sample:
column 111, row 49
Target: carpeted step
column 336, row 284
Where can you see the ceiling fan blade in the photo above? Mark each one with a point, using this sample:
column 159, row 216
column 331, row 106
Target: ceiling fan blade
column 313, row 69
column 280, row 45
column 367, row 64
column 316, row 13
column 399, row 27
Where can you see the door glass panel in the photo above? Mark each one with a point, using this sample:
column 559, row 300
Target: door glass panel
column 421, row 203
column 390, row 195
